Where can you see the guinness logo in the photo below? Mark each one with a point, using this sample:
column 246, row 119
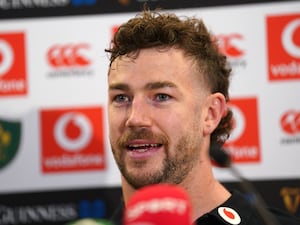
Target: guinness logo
column 291, row 198
column 124, row 2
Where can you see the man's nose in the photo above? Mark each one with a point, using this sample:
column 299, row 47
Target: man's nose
column 139, row 114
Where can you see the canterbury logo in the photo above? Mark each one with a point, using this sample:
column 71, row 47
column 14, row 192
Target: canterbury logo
column 290, row 122
column 68, row 55
column 291, row 198
column 229, row 45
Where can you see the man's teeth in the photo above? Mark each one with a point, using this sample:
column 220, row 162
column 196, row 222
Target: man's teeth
column 142, row 147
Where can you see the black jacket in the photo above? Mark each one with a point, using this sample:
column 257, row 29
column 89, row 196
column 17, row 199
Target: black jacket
column 238, row 210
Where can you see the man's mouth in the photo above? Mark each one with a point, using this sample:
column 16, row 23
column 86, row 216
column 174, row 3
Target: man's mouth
column 143, row 147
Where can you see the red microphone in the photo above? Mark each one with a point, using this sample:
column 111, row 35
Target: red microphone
column 159, row 204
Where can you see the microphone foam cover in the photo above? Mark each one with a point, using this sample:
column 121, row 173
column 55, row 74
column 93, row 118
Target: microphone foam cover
column 159, row 204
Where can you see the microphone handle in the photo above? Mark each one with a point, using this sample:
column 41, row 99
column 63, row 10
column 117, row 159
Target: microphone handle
column 223, row 159
column 256, row 200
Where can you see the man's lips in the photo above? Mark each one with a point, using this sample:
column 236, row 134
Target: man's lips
column 142, row 147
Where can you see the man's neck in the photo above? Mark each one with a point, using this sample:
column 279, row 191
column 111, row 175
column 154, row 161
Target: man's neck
column 205, row 192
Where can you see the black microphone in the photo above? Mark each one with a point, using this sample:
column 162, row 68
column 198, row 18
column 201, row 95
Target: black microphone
column 220, row 157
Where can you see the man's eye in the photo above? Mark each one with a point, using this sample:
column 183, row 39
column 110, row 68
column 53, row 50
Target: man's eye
column 121, row 98
column 162, row 97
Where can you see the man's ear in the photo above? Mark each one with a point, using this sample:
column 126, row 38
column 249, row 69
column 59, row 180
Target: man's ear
column 216, row 109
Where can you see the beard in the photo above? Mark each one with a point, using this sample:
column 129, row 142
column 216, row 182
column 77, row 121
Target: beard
column 175, row 167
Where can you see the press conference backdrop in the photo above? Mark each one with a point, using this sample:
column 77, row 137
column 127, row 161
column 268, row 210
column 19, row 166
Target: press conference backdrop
column 55, row 159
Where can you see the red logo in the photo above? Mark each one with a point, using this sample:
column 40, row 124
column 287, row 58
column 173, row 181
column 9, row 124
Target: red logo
column 229, row 215
column 72, row 140
column 70, row 55
column 229, row 44
column 12, row 64
column 290, row 122
column 114, row 30
column 243, row 144
column 283, row 36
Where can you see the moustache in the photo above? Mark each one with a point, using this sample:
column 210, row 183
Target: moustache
column 141, row 133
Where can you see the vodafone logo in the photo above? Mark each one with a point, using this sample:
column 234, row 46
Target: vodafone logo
column 290, row 34
column 83, row 131
column 283, row 45
column 72, row 140
column 290, row 122
column 229, row 45
column 6, row 57
column 229, row 215
column 243, row 144
column 12, row 64
column 69, row 55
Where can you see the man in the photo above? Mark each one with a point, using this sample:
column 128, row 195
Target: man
column 167, row 103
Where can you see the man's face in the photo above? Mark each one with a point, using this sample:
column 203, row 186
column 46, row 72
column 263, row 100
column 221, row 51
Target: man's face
column 155, row 111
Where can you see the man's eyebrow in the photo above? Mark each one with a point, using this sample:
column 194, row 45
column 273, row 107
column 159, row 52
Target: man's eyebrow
column 119, row 86
column 148, row 86
column 159, row 84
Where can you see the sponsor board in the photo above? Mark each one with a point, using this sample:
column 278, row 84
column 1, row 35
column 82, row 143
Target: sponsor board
column 58, row 207
column 71, row 59
column 10, row 138
column 290, row 127
column 72, row 140
column 51, row 8
column 13, row 76
column 231, row 45
column 244, row 145
column 283, row 44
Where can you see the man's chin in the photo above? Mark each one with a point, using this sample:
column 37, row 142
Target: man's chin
column 142, row 180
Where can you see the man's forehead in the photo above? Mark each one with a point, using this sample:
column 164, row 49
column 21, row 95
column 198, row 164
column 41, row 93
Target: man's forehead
column 152, row 64
column 155, row 60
